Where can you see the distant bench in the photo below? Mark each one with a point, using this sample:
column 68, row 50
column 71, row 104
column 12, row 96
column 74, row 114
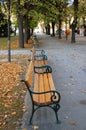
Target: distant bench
column 39, row 82
column 35, row 41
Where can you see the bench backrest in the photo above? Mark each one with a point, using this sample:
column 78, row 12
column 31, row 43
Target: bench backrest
column 29, row 75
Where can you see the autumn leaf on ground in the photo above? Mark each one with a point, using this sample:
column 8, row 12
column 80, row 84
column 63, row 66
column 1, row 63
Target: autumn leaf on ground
column 24, row 129
column 11, row 91
column 66, row 117
column 72, row 123
column 13, row 113
column 84, row 91
column 35, row 127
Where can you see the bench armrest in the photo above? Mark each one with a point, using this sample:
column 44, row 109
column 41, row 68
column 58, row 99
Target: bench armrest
column 55, row 95
column 42, row 52
column 42, row 69
column 40, row 57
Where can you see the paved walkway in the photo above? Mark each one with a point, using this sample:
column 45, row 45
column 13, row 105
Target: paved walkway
column 69, row 72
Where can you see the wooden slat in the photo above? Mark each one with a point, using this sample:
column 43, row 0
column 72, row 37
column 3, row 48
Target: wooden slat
column 45, row 62
column 50, row 79
column 36, row 88
column 42, row 63
column 29, row 75
column 41, row 89
column 37, row 63
column 52, row 87
column 36, row 85
column 47, row 88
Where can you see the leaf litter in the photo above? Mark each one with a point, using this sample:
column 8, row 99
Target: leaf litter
column 12, row 94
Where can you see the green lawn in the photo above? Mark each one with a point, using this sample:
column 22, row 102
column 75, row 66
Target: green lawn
column 4, row 42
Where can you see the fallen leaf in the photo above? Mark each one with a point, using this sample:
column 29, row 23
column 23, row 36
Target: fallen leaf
column 24, row 109
column 24, row 129
column 35, row 127
column 84, row 91
column 72, row 123
column 4, row 123
column 5, row 116
column 66, row 117
column 13, row 113
column 0, row 123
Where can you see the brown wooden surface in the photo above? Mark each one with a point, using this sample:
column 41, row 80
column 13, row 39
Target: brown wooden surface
column 29, row 74
column 42, row 82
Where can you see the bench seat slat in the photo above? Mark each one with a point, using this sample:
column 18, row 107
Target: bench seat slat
column 36, row 88
column 47, row 88
column 41, row 84
column 52, row 87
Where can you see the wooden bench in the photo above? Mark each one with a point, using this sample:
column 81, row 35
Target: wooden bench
column 35, row 41
column 39, row 82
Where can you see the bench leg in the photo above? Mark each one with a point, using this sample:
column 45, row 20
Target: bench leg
column 56, row 108
column 30, row 122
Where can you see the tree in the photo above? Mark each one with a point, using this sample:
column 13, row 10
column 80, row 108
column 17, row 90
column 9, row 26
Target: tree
column 3, row 23
column 31, row 17
column 3, row 26
column 82, row 14
column 74, row 23
column 19, row 8
column 49, row 12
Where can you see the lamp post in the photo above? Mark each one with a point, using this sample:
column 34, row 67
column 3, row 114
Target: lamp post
column 9, row 52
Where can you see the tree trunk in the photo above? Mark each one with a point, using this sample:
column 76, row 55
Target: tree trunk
column 53, row 29
column 73, row 34
column 59, row 30
column 84, row 30
column 47, row 29
column 84, row 23
column 48, row 26
column 20, row 24
column 21, row 34
column 15, row 31
column 31, row 31
column 74, row 24
column 26, row 37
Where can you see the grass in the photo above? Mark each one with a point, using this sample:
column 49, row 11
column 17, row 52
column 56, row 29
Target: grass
column 14, row 43
column 4, row 42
